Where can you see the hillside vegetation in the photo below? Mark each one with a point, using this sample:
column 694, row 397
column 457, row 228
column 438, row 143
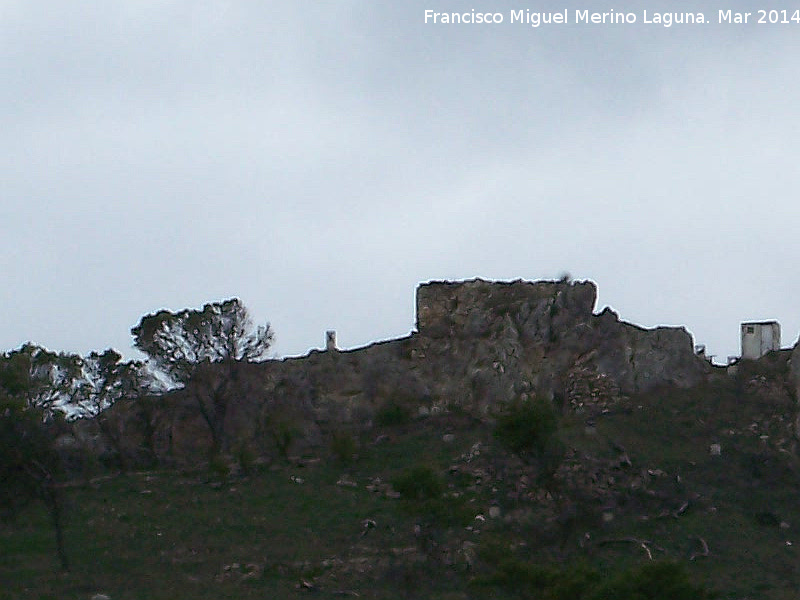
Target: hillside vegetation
column 636, row 496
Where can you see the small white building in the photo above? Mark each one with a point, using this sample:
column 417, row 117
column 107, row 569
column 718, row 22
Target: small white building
column 330, row 340
column 759, row 338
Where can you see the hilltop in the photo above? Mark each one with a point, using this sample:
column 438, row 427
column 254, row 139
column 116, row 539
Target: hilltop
column 517, row 443
column 478, row 345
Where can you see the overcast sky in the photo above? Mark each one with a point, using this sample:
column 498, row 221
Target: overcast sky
column 320, row 159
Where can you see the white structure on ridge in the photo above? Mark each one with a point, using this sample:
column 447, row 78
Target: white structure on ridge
column 759, row 338
column 330, row 340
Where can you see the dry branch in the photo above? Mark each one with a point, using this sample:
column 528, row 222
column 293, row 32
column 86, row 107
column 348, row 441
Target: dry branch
column 644, row 544
column 705, row 551
column 681, row 510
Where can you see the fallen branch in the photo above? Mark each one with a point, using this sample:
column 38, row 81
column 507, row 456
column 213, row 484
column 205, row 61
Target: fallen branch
column 681, row 510
column 705, row 551
column 644, row 544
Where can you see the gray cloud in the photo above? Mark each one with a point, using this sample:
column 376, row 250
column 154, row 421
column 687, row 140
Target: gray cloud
column 320, row 159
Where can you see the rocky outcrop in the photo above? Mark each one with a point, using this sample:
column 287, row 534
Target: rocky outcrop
column 475, row 308
column 478, row 345
column 794, row 376
column 794, row 366
column 535, row 335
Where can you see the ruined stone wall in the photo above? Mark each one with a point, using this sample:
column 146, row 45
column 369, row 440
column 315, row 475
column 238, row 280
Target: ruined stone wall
column 479, row 345
column 546, row 329
column 469, row 308
column 794, row 365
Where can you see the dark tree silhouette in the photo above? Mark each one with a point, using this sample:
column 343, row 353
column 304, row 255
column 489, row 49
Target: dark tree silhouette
column 29, row 463
column 183, row 345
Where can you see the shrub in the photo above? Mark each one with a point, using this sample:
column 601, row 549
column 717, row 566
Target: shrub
column 527, row 427
column 344, row 446
column 392, row 413
column 419, row 483
column 422, row 492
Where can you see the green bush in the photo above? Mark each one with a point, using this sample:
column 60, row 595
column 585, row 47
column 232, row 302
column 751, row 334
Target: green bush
column 419, row 483
column 529, row 429
column 344, row 446
column 393, row 413
column 423, row 493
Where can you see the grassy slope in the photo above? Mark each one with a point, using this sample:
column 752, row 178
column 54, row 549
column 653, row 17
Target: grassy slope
column 744, row 502
column 162, row 535
column 166, row 535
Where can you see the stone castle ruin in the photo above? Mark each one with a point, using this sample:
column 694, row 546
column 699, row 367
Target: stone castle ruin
column 547, row 329
column 478, row 345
